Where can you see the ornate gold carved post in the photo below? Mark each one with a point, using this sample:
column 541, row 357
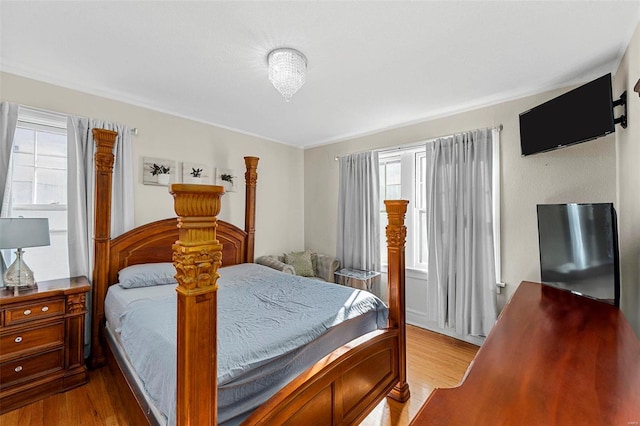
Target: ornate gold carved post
column 197, row 255
column 105, row 141
column 251, row 178
column 396, row 237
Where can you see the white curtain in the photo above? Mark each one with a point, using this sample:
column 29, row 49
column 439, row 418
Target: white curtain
column 460, row 255
column 81, row 190
column 358, row 242
column 8, row 122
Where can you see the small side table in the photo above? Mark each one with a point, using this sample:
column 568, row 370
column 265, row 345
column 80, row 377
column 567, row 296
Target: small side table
column 347, row 275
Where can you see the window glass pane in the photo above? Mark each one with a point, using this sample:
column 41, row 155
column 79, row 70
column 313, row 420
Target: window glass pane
column 22, row 159
column 382, row 192
column 393, row 174
column 421, row 175
column 51, row 186
column 22, row 173
column 23, row 140
column 52, row 144
column 50, row 162
column 422, row 225
column 383, row 237
column 50, row 262
column 21, row 193
column 57, row 220
column 393, row 192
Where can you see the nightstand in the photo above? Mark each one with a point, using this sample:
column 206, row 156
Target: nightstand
column 41, row 341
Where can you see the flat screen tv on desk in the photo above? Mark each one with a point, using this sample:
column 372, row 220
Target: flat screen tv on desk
column 579, row 249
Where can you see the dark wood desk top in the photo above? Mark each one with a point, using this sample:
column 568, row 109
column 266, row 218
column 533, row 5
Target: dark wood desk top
column 553, row 358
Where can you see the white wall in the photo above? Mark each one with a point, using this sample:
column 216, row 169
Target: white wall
column 628, row 202
column 279, row 216
column 580, row 173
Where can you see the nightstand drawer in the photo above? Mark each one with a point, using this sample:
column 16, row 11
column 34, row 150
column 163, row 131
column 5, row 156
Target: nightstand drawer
column 34, row 311
column 27, row 368
column 35, row 338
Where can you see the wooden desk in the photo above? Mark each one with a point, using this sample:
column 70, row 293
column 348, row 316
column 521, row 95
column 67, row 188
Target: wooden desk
column 553, row 358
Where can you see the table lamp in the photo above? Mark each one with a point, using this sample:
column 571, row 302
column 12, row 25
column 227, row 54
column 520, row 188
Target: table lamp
column 19, row 233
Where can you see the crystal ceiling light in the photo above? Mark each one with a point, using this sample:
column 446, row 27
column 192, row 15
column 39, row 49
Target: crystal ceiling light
column 287, row 69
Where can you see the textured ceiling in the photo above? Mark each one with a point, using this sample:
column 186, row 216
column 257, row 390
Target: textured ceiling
column 371, row 65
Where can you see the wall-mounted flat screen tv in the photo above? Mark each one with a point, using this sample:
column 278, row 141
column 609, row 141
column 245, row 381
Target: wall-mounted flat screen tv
column 579, row 249
column 580, row 115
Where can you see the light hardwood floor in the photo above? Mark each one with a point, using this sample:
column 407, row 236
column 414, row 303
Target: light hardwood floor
column 433, row 360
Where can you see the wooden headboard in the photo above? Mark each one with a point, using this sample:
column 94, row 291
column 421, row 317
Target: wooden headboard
column 152, row 242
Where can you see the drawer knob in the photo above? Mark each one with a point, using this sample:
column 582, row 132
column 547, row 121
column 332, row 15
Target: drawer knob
column 18, row 339
column 18, row 369
column 45, row 308
column 27, row 312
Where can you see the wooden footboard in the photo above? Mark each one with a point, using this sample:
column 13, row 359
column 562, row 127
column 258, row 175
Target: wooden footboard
column 340, row 389
column 343, row 387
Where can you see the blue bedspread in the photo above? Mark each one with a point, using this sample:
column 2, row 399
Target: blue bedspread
column 263, row 316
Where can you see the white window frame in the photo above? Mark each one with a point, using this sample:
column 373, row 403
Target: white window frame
column 408, row 158
column 383, row 161
column 419, row 209
column 36, row 120
column 25, row 122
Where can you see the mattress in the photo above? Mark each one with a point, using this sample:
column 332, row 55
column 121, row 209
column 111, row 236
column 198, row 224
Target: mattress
column 271, row 327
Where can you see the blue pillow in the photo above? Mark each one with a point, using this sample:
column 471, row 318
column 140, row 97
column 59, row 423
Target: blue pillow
column 147, row 274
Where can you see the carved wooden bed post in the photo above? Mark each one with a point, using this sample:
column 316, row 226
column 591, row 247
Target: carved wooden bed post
column 105, row 141
column 197, row 255
column 396, row 237
column 251, row 178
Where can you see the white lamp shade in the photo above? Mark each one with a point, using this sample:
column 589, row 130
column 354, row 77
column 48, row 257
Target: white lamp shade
column 21, row 233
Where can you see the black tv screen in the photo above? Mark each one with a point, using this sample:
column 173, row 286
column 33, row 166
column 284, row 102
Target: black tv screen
column 580, row 115
column 579, row 249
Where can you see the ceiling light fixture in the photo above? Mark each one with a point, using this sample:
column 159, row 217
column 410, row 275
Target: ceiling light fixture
column 287, row 71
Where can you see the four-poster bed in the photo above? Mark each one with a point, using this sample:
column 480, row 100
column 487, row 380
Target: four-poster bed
column 341, row 388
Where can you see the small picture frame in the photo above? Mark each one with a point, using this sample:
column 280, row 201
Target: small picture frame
column 227, row 178
column 158, row 171
column 196, row 173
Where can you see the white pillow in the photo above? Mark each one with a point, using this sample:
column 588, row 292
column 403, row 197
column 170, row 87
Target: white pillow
column 147, row 274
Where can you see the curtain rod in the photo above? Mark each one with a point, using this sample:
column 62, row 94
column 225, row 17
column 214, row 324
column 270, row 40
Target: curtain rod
column 133, row 130
column 499, row 128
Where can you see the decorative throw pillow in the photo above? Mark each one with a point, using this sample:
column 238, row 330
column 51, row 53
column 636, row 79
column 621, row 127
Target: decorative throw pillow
column 301, row 262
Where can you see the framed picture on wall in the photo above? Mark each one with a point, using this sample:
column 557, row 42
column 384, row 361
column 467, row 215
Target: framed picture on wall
column 196, row 173
column 227, row 178
column 158, row 171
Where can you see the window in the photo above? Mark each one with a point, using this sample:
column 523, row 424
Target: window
column 402, row 176
column 38, row 187
column 421, row 209
column 390, row 189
